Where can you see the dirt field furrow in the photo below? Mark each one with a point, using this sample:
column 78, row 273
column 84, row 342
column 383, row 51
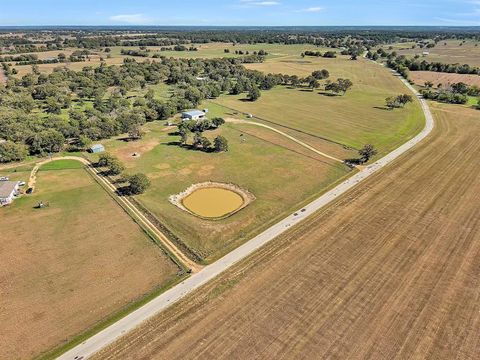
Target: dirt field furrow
column 390, row 271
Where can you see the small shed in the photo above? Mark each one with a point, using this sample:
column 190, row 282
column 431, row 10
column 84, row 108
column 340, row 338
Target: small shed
column 97, row 148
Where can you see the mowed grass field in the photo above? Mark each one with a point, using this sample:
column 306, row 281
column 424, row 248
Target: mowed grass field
column 352, row 120
column 392, row 270
column 448, row 52
column 67, row 267
column 280, row 173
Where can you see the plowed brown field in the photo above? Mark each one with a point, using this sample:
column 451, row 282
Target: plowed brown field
column 390, row 271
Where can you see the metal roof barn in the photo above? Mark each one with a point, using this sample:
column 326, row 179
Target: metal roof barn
column 97, row 148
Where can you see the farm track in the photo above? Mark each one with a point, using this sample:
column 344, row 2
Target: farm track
column 210, row 272
column 301, row 143
column 130, row 208
column 389, row 271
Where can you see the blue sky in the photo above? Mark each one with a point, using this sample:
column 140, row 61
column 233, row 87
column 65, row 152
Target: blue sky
column 240, row 12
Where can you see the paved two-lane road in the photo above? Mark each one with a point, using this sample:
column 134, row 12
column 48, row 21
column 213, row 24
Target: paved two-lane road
column 134, row 319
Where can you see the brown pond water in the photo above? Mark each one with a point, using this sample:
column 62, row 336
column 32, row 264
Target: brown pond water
column 213, row 202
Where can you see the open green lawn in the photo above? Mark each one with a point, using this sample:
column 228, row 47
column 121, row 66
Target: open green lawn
column 71, row 265
column 281, row 174
column 355, row 119
column 66, row 164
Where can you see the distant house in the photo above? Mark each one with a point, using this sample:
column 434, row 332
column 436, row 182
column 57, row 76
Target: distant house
column 97, row 148
column 8, row 190
column 193, row 115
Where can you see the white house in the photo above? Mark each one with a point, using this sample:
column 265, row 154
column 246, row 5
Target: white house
column 8, row 189
column 193, row 115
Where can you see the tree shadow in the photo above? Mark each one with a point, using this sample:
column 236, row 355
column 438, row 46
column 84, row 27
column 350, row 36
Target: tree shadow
column 127, row 139
column 124, row 191
column 174, row 143
column 353, row 162
column 324, row 93
column 382, row 108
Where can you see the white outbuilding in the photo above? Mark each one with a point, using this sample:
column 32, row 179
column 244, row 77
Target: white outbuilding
column 193, row 115
column 8, row 190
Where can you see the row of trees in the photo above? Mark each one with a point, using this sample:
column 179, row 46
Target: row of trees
column 327, row 54
column 400, row 62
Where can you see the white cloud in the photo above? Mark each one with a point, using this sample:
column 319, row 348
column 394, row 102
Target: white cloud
column 133, row 19
column 312, row 9
column 259, row 3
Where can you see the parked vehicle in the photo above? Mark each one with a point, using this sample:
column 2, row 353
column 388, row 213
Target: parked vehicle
column 4, row 178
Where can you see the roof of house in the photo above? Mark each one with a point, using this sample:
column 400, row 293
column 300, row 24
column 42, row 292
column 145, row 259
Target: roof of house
column 7, row 187
column 97, row 147
column 193, row 113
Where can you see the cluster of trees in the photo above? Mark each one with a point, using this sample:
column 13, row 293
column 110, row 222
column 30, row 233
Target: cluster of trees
column 455, row 93
column 178, row 48
column 187, row 129
column 136, row 184
column 398, row 101
column 131, row 52
column 46, row 111
column 339, row 86
column 444, row 96
column 10, row 151
column 327, row 54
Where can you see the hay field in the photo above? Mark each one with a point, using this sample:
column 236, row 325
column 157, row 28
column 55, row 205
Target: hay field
column 392, row 270
column 420, row 77
column 67, row 267
column 448, row 52
column 355, row 119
